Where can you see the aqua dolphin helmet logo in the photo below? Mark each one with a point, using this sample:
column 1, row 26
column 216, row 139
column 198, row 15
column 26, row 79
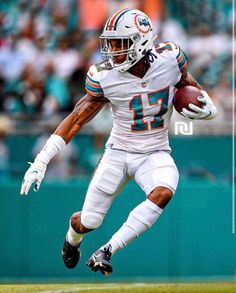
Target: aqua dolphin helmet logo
column 142, row 23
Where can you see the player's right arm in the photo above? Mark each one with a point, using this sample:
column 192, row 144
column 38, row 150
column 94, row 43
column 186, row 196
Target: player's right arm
column 83, row 112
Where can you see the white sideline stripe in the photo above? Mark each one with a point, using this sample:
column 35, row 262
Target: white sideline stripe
column 108, row 286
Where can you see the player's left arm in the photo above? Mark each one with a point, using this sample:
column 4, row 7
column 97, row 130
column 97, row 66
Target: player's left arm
column 208, row 111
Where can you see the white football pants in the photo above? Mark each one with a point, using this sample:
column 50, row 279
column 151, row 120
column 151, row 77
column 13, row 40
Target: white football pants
column 116, row 166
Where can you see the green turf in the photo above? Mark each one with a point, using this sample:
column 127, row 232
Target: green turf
column 119, row 287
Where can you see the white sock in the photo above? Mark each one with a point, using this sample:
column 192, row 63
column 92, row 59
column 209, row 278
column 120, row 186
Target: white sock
column 73, row 237
column 140, row 219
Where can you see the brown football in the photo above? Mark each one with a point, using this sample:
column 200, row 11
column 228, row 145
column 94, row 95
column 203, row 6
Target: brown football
column 186, row 95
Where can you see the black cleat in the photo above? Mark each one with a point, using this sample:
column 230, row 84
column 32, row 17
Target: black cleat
column 100, row 260
column 70, row 254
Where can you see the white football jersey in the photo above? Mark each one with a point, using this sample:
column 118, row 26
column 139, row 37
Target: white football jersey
column 141, row 107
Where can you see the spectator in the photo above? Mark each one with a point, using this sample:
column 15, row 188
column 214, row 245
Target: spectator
column 5, row 129
column 47, row 46
column 12, row 60
column 65, row 60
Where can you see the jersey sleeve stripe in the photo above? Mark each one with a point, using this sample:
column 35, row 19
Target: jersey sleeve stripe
column 182, row 60
column 93, row 93
column 92, row 80
column 181, row 57
column 93, row 84
column 93, row 90
column 179, row 53
column 183, row 64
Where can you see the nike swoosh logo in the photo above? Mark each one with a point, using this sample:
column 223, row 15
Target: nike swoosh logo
column 207, row 115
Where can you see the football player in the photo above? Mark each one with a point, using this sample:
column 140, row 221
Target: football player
column 138, row 81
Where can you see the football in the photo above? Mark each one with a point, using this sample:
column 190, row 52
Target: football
column 186, row 95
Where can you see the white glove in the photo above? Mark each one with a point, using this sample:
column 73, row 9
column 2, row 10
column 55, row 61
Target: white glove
column 208, row 111
column 37, row 169
column 34, row 174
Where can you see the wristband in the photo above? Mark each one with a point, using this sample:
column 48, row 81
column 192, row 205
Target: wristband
column 54, row 144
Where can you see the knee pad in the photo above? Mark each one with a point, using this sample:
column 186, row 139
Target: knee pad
column 92, row 220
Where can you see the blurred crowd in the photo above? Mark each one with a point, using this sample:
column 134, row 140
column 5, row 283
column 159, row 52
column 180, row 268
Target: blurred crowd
column 47, row 46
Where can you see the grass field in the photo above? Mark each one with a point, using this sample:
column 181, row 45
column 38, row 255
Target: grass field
column 122, row 287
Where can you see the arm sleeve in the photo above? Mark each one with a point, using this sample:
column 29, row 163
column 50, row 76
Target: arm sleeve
column 92, row 84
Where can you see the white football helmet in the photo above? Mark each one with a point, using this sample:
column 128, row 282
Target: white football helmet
column 134, row 29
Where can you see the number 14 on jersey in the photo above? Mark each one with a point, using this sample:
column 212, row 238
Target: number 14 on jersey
column 160, row 99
